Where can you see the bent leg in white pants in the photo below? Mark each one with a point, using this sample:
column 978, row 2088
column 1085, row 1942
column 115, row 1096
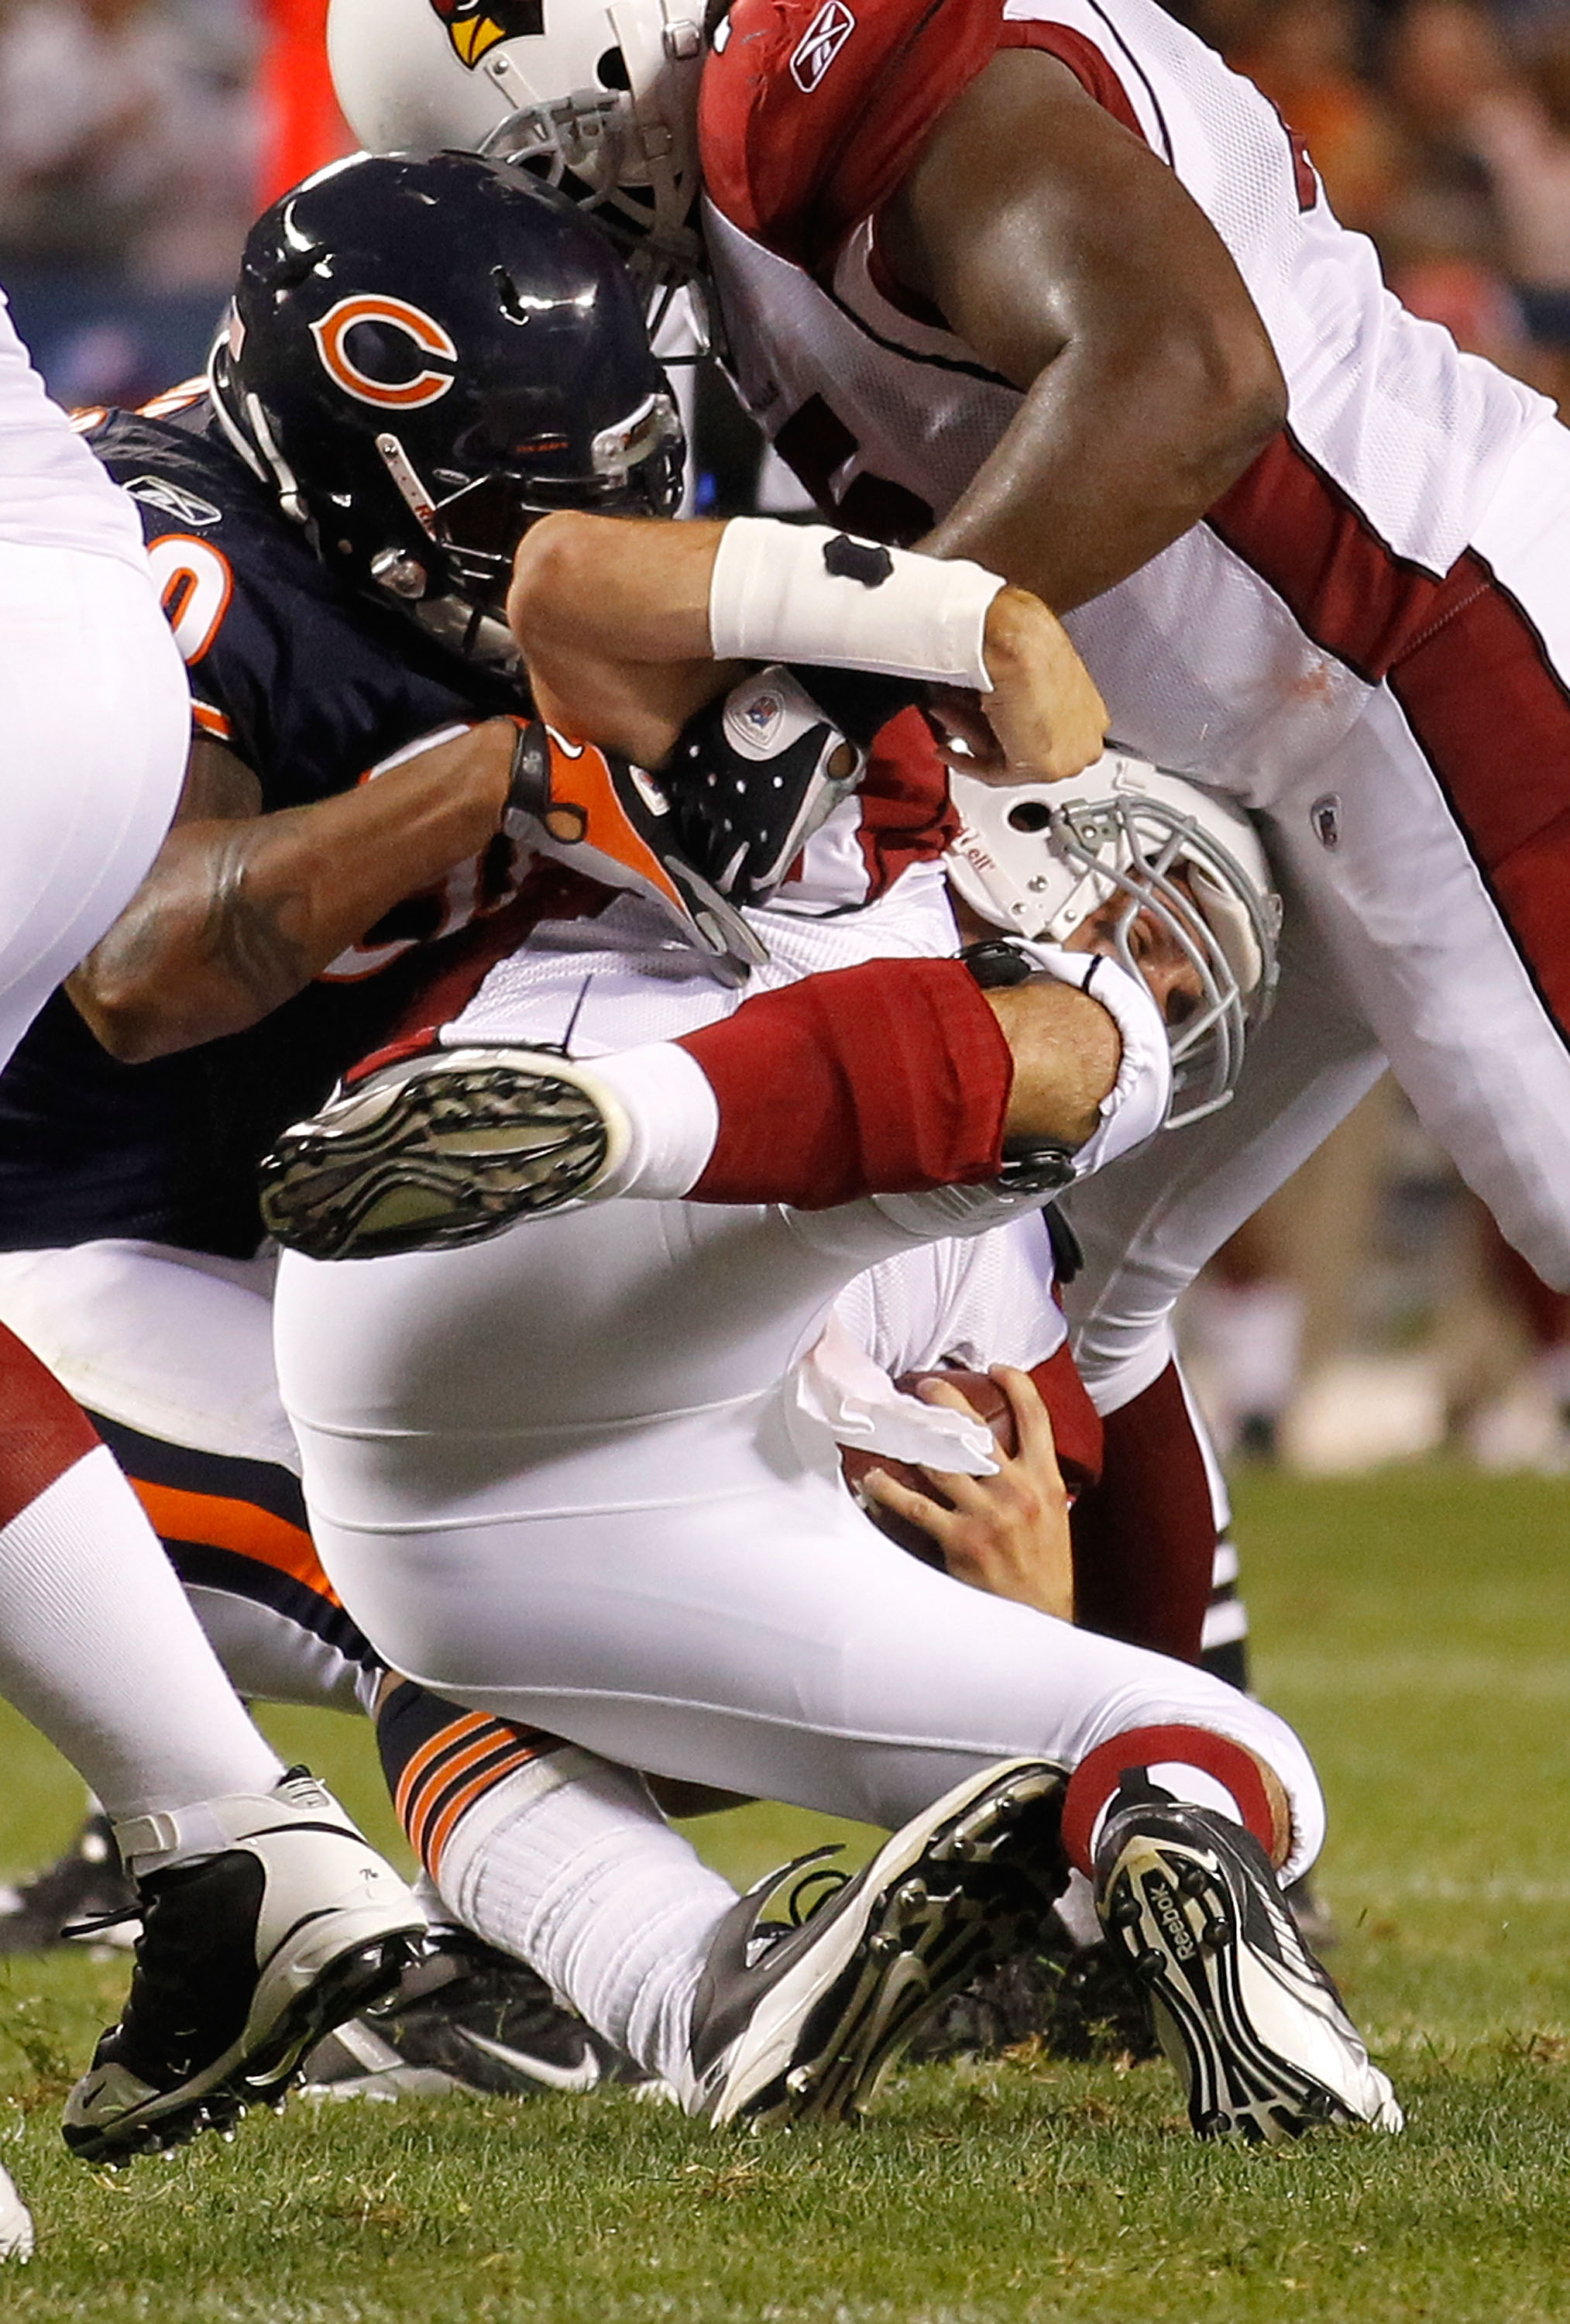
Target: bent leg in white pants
column 558, row 1479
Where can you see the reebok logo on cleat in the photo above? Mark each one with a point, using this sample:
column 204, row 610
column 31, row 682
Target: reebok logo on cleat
column 1170, row 1913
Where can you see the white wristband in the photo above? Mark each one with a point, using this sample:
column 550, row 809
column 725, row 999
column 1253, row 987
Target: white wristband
column 773, row 597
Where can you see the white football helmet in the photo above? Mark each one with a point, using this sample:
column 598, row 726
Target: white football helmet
column 600, row 100
column 1038, row 859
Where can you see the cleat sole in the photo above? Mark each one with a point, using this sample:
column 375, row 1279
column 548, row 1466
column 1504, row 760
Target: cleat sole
column 1173, row 1918
column 940, row 1922
column 442, row 1157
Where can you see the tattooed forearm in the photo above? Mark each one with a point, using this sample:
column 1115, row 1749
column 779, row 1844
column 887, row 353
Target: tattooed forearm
column 262, row 940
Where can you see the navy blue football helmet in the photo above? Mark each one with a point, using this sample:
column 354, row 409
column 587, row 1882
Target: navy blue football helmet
column 424, row 354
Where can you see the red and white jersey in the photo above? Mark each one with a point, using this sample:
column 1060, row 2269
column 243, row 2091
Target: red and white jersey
column 1250, row 644
column 53, row 493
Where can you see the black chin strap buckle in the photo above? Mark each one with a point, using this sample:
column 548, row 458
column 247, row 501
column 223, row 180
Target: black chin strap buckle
column 997, row 961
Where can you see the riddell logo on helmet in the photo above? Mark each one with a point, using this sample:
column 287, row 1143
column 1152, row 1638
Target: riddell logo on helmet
column 821, row 43
column 427, row 385
column 475, row 26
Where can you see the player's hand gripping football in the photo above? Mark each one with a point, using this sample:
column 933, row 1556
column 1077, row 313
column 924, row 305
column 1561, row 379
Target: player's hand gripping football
column 1006, row 1534
column 1044, row 721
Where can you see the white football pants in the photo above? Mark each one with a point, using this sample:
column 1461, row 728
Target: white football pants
column 559, row 1477
column 95, row 719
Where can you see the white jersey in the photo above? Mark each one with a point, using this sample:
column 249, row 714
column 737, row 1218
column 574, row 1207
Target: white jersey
column 53, row 493
column 960, row 1306
column 1252, row 642
column 619, row 977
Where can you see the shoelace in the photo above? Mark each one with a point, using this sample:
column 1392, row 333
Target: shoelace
column 818, row 1887
column 97, row 1921
column 803, row 1901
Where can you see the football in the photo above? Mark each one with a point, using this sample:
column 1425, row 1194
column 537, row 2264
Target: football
column 986, row 1399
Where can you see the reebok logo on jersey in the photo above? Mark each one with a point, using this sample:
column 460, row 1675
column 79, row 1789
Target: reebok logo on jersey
column 183, row 506
column 821, row 43
column 475, row 26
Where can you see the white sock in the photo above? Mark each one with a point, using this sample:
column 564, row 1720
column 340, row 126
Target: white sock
column 99, row 1649
column 569, row 1865
column 674, row 1117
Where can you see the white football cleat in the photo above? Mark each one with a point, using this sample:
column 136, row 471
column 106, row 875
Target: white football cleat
column 248, row 1955
column 446, row 1148
column 792, row 2024
column 15, row 2222
column 1253, row 2025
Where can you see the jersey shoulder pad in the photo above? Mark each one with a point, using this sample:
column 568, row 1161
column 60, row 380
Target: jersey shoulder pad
column 810, row 110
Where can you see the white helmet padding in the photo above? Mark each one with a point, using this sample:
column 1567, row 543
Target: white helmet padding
column 1038, row 859
column 601, row 100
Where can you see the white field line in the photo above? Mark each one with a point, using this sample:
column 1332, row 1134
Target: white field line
column 1375, row 1888
column 1367, row 1677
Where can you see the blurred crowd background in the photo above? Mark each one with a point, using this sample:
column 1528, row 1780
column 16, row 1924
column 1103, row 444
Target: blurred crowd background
column 1370, row 1311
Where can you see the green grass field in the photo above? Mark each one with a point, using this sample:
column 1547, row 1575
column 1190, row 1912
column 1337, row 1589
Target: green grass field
column 1415, row 1626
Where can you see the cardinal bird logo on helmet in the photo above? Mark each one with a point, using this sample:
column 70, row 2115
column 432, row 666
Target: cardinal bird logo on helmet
column 475, row 26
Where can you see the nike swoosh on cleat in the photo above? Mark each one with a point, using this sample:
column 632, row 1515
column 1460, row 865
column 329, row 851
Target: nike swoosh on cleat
column 536, row 2070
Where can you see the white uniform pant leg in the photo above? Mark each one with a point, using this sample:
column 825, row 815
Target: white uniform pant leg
column 1444, row 990
column 95, row 722
column 557, row 1479
column 175, row 1343
column 171, row 1353
column 1147, row 1225
column 1444, row 893
column 772, row 1641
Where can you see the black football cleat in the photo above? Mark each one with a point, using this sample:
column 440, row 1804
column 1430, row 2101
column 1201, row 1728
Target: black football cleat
column 247, row 1957
column 598, row 815
column 85, row 1884
column 440, row 1149
column 798, row 2024
column 1066, row 2000
column 1253, row 2024
column 466, row 2018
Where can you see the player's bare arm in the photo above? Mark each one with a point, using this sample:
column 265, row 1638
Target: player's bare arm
column 242, row 909
column 1071, row 259
column 1066, row 1053
column 614, row 617
column 1006, row 1534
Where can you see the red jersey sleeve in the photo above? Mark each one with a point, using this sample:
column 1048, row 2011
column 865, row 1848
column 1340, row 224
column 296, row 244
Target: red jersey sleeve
column 906, row 814
column 811, row 111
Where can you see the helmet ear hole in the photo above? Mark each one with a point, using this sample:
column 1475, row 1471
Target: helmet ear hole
column 610, row 70
column 1030, row 815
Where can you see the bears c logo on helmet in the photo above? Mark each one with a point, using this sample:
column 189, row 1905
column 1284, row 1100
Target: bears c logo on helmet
column 474, row 26
column 425, row 383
